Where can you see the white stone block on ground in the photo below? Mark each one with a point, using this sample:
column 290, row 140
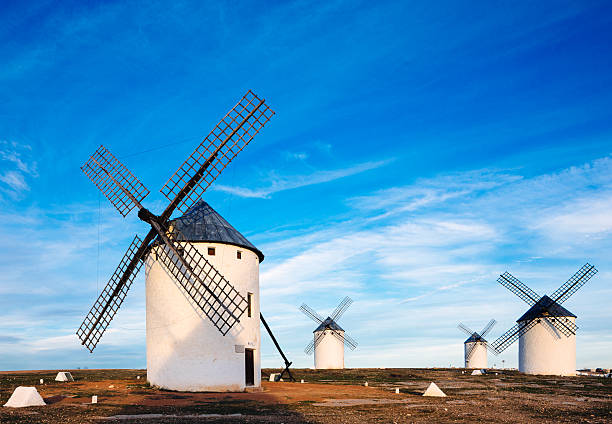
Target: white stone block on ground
column 25, row 396
column 94, row 399
column 477, row 372
column 274, row 377
column 434, row 390
column 64, row 376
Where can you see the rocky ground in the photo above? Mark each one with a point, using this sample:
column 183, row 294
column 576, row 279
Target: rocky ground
column 325, row 397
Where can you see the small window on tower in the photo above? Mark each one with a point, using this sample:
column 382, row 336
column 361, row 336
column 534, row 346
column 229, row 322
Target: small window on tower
column 239, row 255
column 211, row 251
column 249, row 304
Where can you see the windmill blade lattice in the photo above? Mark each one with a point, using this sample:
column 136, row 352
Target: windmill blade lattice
column 108, row 174
column 111, row 298
column 572, row 285
column 346, row 339
column 341, row 308
column 564, row 326
column 470, row 351
column 232, row 134
column 314, row 343
column 521, row 290
column 311, row 313
column 487, row 328
column 465, row 329
column 208, row 289
column 512, row 335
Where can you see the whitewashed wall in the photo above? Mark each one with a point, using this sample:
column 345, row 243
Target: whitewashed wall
column 478, row 359
column 185, row 351
column 541, row 352
column 329, row 353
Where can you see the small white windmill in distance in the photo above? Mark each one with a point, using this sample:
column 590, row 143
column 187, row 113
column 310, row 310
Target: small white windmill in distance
column 329, row 338
column 475, row 347
column 547, row 331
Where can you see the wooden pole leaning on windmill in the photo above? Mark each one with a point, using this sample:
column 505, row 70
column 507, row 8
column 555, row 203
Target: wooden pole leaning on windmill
column 287, row 362
column 209, row 290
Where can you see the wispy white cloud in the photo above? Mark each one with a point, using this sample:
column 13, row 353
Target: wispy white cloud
column 432, row 191
column 434, row 255
column 11, row 155
column 281, row 183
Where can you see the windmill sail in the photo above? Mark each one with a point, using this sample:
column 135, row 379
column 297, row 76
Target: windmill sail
column 114, row 180
column 217, row 150
column 208, row 289
column 111, row 298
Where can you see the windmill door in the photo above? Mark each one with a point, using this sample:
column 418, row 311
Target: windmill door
column 249, row 367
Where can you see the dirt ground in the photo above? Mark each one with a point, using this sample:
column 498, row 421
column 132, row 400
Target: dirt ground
column 337, row 396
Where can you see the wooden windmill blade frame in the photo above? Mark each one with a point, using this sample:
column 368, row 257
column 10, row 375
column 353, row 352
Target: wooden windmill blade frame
column 110, row 299
column 232, row 134
column 487, row 328
column 341, row 308
column 314, row 343
column 206, row 286
column 345, row 338
column 110, row 175
column 518, row 288
column 220, row 302
column 311, row 313
column 471, row 349
column 465, row 329
column 575, row 282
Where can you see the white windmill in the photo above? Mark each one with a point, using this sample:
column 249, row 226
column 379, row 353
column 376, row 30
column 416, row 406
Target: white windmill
column 329, row 338
column 475, row 347
column 547, row 331
column 202, row 276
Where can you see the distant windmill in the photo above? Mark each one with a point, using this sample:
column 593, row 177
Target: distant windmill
column 198, row 337
column 329, row 338
column 547, row 331
column 475, row 347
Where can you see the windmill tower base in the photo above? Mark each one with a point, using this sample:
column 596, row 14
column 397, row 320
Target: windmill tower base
column 478, row 357
column 545, row 351
column 185, row 352
column 329, row 352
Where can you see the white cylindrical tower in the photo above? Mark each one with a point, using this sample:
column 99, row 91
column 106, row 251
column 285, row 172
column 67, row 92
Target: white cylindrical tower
column 329, row 351
column 543, row 349
column 185, row 351
column 478, row 356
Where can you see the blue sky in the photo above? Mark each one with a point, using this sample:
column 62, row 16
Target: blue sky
column 418, row 151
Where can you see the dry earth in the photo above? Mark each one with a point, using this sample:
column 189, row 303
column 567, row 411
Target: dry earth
column 326, row 397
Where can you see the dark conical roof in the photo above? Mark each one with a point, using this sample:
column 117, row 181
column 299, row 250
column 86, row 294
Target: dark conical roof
column 328, row 324
column 545, row 307
column 202, row 223
column 475, row 337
